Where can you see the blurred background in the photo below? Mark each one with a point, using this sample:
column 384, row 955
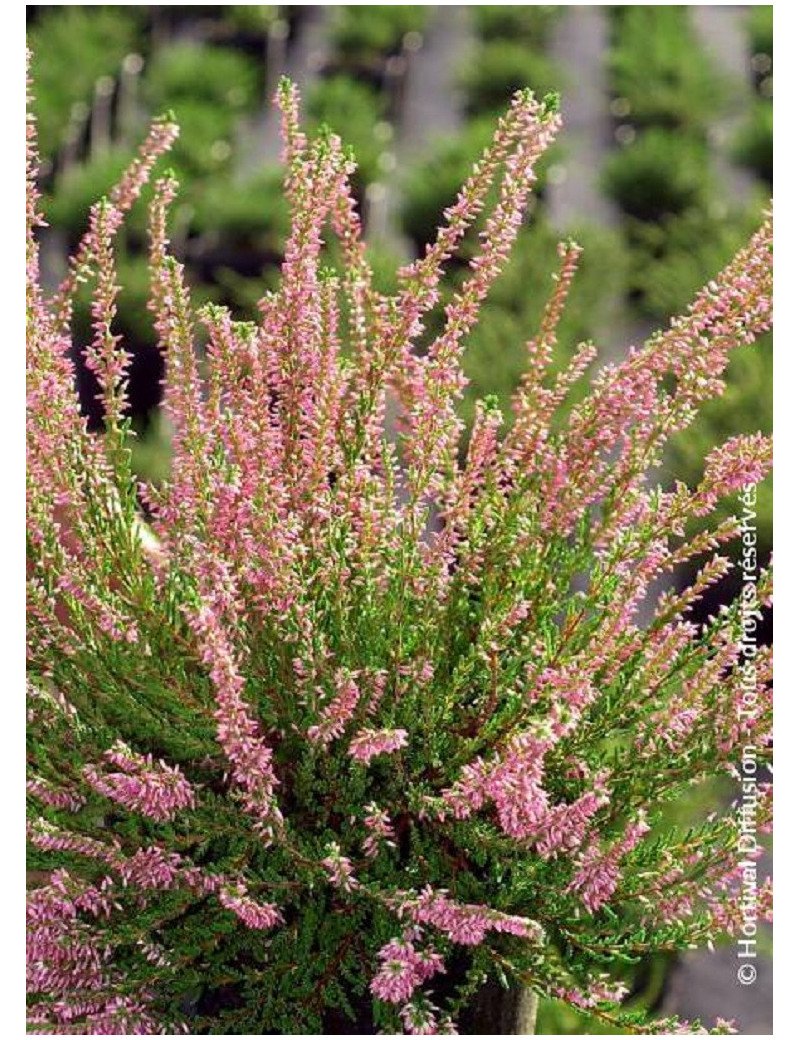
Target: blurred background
column 661, row 172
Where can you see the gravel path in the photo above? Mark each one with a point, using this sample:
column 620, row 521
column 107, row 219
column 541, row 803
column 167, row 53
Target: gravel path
column 722, row 31
column 259, row 138
column 574, row 198
column 578, row 49
column 430, row 109
column 432, row 106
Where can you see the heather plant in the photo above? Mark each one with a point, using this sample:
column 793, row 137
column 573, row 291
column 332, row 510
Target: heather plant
column 334, row 718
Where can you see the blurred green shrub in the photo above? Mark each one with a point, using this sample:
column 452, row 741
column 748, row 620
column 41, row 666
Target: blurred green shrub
column 366, row 34
column 753, row 144
column 760, row 29
column 151, row 449
column 73, row 46
column 208, row 88
column 496, row 354
column 217, row 76
column 498, row 68
column 243, row 209
column 657, row 65
column 79, row 187
column 659, row 173
column 524, row 23
column 671, row 260
column 355, row 111
column 250, row 18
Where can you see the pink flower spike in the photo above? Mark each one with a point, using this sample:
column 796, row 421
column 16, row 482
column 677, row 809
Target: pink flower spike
column 368, row 743
column 253, row 913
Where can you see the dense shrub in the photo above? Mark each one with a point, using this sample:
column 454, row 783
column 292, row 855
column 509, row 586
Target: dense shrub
column 207, row 88
column 658, row 67
column 356, row 112
column 367, row 34
column 525, row 23
column 353, row 721
column 81, row 44
column 659, row 173
column 500, row 67
column 753, row 145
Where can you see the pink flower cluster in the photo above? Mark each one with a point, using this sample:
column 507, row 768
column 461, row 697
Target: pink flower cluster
column 515, row 785
column 67, row 960
column 253, row 913
column 336, row 714
column 740, row 461
column 152, row 868
column 464, row 923
column 403, row 969
column 47, row 836
column 380, row 830
column 368, row 743
column 601, row 991
column 54, row 797
column 598, row 872
column 153, row 789
column 419, row 1019
column 339, row 869
column 238, row 732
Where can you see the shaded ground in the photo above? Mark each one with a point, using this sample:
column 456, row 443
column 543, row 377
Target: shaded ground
column 578, row 49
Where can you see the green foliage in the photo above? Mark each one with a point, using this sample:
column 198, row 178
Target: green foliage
column 79, row 187
column 500, row 67
column 355, row 111
column 208, row 88
column 243, row 211
column 364, row 35
column 553, row 1019
column 73, row 46
column 205, row 74
column 672, row 259
column 659, row 173
column 760, row 29
column 253, row 18
column 753, row 145
column 658, row 67
column 525, row 23
column 496, row 355
column 151, row 452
